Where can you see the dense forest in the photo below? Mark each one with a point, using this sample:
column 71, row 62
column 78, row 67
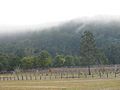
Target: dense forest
column 60, row 45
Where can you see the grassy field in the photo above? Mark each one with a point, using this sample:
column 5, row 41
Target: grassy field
column 62, row 79
column 64, row 84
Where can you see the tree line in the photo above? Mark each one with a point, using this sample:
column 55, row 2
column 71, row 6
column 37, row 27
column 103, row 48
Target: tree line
column 89, row 55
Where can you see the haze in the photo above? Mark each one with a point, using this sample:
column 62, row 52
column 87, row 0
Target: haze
column 17, row 15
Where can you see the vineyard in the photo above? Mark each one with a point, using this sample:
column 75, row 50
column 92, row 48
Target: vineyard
column 64, row 73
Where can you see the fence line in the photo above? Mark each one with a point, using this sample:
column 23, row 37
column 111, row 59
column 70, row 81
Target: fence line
column 53, row 76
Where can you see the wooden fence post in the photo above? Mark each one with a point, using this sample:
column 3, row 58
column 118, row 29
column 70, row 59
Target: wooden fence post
column 92, row 75
column 17, row 77
column 26, row 77
column 73, row 75
column 107, row 74
column 79, row 75
column 10, row 78
column 22, row 77
column 30, row 77
column 67, row 75
column 40, row 77
column 35, row 77
column 100, row 74
column 61, row 76
column 115, row 74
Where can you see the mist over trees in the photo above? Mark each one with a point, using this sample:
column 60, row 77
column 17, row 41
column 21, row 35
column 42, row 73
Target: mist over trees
column 62, row 46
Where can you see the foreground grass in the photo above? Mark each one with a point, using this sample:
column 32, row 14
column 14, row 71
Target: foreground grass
column 71, row 84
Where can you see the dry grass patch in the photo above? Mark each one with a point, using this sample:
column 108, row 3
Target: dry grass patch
column 72, row 84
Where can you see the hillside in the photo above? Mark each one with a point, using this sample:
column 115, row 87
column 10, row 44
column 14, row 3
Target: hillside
column 65, row 39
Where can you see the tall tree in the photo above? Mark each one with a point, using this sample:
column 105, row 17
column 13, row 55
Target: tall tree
column 27, row 62
column 69, row 61
column 4, row 63
column 114, row 53
column 88, row 49
column 44, row 59
column 59, row 61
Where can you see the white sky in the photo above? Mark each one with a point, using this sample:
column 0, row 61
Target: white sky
column 34, row 12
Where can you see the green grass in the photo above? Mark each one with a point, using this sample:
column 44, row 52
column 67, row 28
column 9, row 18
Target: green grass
column 64, row 84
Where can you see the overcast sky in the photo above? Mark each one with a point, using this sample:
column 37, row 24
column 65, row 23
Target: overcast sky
column 19, row 13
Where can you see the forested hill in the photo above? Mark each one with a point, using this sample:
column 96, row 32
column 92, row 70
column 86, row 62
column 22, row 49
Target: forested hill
column 65, row 39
